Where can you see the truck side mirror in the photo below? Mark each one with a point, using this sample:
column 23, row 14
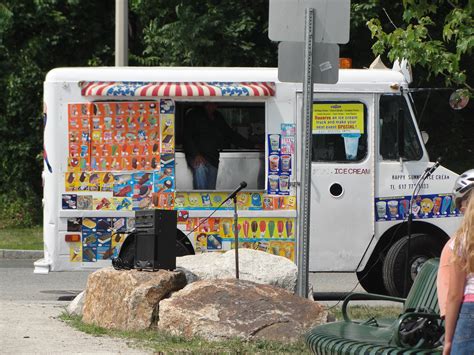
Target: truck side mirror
column 425, row 136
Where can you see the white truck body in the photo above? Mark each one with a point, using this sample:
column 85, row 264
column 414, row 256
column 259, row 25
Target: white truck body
column 358, row 204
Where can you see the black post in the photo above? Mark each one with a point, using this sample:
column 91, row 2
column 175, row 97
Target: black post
column 236, row 237
column 407, row 256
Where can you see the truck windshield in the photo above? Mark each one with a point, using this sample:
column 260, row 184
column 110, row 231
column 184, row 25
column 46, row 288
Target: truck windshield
column 398, row 137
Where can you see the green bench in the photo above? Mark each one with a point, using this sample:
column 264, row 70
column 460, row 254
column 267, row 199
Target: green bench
column 381, row 336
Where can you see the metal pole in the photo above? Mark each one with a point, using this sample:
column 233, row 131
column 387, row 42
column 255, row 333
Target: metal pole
column 303, row 226
column 236, row 238
column 121, row 33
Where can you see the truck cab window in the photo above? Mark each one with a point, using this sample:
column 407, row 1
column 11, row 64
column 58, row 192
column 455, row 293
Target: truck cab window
column 219, row 144
column 398, row 137
column 339, row 132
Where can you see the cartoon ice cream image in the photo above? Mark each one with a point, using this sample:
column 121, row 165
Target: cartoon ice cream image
column 226, row 228
column 179, row 200
column 246, row 229
column 289, row 227
column 242, row 199
column 256, row 200
column 254, row 226
column 445, row 204
column 271, row 228
column 426, row 205
column 437, row 205
column 206, row 200
column 262, row 226
column 280, row 226
column 193, row 199
column 291, row 202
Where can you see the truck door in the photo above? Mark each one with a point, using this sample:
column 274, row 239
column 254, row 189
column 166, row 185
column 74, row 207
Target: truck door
column 342, row 187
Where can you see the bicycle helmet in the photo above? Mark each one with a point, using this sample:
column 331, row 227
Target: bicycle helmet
column 464, row 183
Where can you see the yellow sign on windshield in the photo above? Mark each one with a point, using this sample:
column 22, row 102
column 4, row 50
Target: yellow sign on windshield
column 338, row 118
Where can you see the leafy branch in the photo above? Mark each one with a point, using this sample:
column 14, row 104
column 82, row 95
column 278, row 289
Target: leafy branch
column 440, row 45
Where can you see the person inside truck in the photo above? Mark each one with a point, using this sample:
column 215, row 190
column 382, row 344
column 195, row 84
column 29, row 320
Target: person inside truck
column 457, row 274
column 205, row 134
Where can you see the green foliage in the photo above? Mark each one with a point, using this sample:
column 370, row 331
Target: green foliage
column 35, row 37
column 21, row 238
column 437, row 35
column 364, row 312
column 206, row 33
column 15, row 212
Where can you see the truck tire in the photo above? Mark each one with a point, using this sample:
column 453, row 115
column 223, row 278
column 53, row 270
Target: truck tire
column 181, row 250
column 371, row 278
column 422, row 248
column 183, row 245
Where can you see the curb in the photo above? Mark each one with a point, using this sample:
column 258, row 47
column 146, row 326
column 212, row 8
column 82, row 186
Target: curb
column 21, row 254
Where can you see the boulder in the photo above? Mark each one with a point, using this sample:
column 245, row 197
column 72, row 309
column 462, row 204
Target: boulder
column 77, row 304
column 127, row 299
column 254, row 265
column 228, row 308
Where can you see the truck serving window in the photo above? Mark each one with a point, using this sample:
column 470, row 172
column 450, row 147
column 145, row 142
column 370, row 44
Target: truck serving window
column 398, row 138
column 227, row 136
column 339, row 131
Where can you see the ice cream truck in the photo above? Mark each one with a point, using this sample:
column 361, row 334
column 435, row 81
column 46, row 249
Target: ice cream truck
column 114, row 137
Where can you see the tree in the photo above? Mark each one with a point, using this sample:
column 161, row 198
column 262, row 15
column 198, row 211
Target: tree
column 35, row 37
column 437, row 35
column 204, row 33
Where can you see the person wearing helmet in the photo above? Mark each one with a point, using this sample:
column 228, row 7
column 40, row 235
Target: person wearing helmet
column 462, row 186
column 457, row 259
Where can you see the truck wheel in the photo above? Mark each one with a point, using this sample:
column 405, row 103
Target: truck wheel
column 181, row 250
column 422, row 248
column 371, row 278
column 183, row 245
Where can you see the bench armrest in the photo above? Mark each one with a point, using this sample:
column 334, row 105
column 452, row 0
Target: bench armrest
column 367, row 296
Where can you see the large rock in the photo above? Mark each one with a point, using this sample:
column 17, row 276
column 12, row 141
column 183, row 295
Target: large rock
column 254, row 265
column 222, row 309
column 127, row 299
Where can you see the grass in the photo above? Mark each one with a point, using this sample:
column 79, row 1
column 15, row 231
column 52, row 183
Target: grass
column 164, row 343
column 363, row 312
column 22, row 238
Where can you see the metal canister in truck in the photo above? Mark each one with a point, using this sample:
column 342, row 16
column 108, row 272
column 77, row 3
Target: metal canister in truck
column 114, row 139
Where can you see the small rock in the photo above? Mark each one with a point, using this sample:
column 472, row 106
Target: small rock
column 77, row 304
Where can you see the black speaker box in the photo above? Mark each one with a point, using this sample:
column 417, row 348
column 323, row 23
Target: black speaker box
column 155, row 244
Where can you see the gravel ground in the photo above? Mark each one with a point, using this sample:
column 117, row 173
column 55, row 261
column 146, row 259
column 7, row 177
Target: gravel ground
column 30, row 305
column 34, row 328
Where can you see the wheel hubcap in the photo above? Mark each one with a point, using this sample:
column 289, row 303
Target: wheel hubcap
column 416, row 265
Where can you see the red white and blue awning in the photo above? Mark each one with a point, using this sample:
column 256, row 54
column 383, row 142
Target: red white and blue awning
column 176, row 89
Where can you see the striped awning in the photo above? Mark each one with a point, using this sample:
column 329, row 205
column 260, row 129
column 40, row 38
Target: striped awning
column 176, row 89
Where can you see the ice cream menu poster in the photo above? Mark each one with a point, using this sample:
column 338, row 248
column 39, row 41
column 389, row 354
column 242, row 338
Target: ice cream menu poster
column 125, row 149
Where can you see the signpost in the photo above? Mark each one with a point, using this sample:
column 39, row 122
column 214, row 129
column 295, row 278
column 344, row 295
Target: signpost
column 331, row 22
column 325, row 21
column 325, row 62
